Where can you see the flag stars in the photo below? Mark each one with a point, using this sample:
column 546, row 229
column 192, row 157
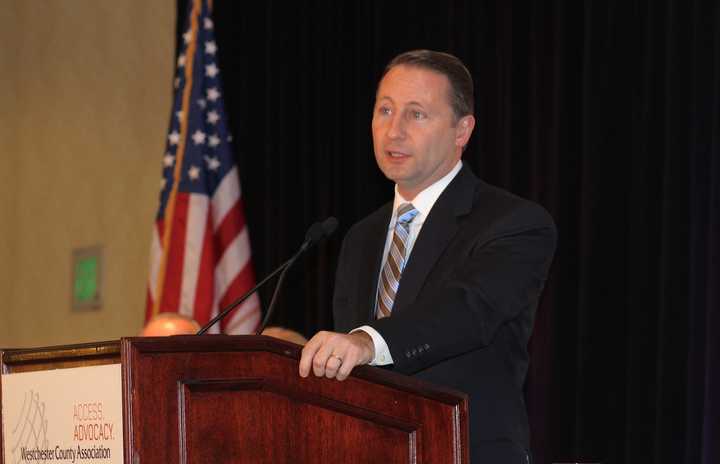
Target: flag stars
column 211, row 70
column 176, row 83
column 181, row 61
column 213, row 117
column 187, row 36
column 213, row 163
column 198, row 137
column 210, row 47
column 202, row 103
column 214, row 140
column 213, row 94
column 207, row 23
column 174, row 138
column 179, row 115
column 194, row 173
column 168, row 160
column 163, row 183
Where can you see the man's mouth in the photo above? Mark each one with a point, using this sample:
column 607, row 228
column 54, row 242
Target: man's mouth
column 397, row 154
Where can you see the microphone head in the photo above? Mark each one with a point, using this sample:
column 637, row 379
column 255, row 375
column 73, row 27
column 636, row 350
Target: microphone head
column 329, row 225
column 320, row 230
column 315, row 233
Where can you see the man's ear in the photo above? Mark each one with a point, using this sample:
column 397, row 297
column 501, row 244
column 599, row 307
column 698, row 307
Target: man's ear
column 463, row 130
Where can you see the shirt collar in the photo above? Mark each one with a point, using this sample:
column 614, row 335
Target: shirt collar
column 425, row 200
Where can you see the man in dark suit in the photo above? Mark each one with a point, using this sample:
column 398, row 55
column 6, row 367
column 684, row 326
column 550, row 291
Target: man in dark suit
column 443, row 282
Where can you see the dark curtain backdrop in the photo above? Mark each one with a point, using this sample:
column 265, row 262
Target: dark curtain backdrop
column 605, row 112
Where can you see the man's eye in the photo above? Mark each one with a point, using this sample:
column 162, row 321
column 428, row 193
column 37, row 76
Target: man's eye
column 384, row 110
column 417, row 115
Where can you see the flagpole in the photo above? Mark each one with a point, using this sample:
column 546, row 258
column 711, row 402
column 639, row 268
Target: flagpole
column 187, row 91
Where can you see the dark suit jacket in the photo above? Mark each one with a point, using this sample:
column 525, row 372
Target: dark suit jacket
column 464, row 310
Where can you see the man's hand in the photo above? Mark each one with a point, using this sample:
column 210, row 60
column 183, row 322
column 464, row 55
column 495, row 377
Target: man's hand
column 334, row 355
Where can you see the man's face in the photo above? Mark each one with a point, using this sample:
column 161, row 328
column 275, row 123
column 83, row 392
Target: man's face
column 416, row 138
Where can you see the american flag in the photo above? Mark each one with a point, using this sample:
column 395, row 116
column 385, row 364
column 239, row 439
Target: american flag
column 200, row 252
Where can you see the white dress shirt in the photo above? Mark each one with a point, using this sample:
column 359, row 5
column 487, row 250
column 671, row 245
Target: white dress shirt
column 423, row 202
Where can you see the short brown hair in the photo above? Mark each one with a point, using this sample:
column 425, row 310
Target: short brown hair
column 462, row 99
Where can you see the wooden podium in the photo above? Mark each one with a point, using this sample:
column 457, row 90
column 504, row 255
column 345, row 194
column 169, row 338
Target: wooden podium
column 239, row 399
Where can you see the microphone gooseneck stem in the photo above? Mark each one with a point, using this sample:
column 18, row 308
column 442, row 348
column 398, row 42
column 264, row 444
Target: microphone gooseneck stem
column 240, row 300
column 271, row 307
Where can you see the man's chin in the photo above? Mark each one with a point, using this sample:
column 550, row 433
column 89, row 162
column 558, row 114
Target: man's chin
column 396, row 178
column 395, row 173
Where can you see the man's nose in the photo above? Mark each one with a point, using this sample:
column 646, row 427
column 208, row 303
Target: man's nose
column 396, row 128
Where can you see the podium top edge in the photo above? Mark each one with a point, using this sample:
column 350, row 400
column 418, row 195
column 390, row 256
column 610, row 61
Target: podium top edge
column 27, row 359
column 61, row 352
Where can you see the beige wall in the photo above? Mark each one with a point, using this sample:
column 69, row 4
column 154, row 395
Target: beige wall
column 85, row 94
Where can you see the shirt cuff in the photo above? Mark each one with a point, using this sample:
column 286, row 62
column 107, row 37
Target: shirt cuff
column 382, row 352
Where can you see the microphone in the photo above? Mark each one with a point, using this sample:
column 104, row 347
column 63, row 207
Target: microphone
column 316, row 233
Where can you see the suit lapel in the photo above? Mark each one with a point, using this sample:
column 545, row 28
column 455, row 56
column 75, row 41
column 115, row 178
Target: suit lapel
column 437, row 231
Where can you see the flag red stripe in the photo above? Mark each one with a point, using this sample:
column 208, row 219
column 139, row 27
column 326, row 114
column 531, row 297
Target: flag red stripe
column 173, row 274
column 230, row 227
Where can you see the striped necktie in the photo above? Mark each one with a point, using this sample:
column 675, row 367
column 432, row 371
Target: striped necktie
column 395, row 261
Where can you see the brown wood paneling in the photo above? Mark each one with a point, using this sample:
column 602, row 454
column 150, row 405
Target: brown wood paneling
column 266, row 422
